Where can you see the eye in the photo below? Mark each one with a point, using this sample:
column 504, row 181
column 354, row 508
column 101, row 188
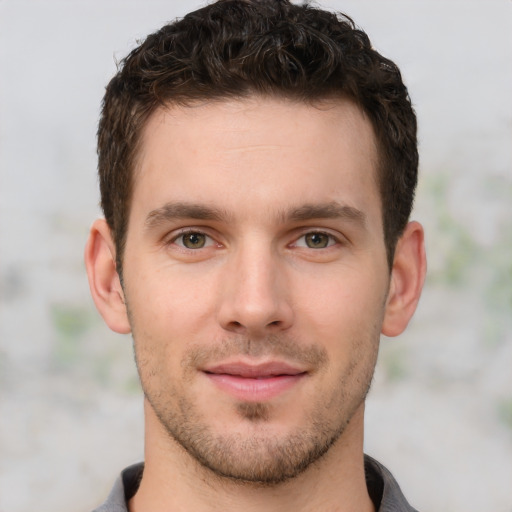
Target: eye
column 316, row 240
column 193, row 240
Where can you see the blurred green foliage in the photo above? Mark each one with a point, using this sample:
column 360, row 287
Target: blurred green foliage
column 459, row 249
column 505, row 412
column 70, row 324
column 464, row 262
column 83, row 350
column 393, row 359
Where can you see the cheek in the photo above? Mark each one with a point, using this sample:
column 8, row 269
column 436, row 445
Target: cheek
column 346, row 299
column 346, row 318
column 168, row 296
column 168, row 311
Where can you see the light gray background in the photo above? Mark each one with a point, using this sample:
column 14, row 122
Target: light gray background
column 440, row 412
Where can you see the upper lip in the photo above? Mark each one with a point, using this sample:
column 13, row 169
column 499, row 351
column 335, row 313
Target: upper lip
column 241, row 369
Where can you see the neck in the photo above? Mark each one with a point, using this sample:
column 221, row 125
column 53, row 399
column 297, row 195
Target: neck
column 172, row 477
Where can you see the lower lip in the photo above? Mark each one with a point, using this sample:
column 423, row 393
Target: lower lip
column 254, row 390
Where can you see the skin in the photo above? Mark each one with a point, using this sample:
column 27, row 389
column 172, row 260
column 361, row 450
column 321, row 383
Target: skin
column 255, row 238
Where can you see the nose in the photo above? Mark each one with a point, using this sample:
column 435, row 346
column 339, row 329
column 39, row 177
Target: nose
column 255, row 296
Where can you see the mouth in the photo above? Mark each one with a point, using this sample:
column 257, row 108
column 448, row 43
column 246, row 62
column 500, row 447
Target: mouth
column 254, row 382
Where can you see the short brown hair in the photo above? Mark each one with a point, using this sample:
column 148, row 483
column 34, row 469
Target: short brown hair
column 237, row 48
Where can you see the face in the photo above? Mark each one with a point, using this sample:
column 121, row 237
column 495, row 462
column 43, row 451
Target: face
column 255, row 278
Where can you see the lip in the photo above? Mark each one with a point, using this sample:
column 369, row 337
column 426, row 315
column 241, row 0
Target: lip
column 254, row 382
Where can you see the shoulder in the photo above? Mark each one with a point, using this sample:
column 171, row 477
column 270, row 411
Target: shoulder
column 384, row 489
column 124, row 488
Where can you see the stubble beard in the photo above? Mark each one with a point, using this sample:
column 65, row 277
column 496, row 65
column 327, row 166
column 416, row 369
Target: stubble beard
column 262, row 458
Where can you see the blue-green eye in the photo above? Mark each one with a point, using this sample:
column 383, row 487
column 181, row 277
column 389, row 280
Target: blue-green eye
column 193, row 240
column 316, row 240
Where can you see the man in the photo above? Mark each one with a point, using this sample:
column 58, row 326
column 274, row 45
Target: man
column 257, row 165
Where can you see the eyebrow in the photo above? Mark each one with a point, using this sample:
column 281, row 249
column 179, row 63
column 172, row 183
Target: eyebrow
column 332, row 210
column 182, row 210
column 173, row 211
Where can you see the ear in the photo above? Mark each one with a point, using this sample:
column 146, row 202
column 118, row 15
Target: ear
column 407, row 278
column 104, row 282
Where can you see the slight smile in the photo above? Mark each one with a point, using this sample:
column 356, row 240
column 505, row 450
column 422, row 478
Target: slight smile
column 254, row 382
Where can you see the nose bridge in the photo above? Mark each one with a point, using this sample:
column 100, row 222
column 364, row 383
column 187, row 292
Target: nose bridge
column 254, row 298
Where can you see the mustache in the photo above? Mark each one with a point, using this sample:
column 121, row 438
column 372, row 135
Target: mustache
column 276, row 346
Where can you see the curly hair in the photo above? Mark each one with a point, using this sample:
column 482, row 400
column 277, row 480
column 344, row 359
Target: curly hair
column 238, row 48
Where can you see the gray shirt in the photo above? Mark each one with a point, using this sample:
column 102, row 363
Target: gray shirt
column 382, row 488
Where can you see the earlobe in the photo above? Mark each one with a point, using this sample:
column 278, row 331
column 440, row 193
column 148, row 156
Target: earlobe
column 104, row 282
column 407, row 278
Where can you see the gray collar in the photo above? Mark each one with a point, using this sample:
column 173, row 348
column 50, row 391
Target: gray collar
column 382, row 487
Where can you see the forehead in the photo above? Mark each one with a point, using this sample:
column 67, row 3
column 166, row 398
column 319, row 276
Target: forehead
column 258, row 148
column 219, row 117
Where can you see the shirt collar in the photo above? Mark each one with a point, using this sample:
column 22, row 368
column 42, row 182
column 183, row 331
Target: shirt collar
column 382, row 488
